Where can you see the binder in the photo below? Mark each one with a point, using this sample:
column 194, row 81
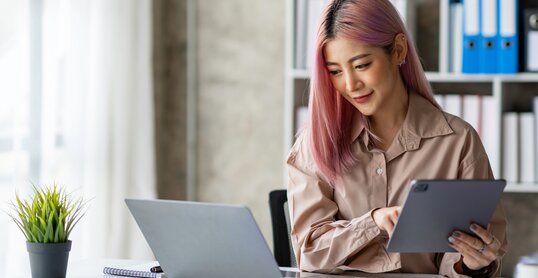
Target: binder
column 456, row 37
column 531, row 39
column 454, row 105
column 508, row 37
column 488, row 37
column 440, row 100
column 527, row 147
column 314, row 10
column 471, row 36
column 490, row 132
column 407, row 11
column 301, row 25
column 471, row 111
column 510, row 145
column 535, row 113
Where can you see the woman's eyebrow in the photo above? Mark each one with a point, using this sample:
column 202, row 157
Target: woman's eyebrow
column 352, row 59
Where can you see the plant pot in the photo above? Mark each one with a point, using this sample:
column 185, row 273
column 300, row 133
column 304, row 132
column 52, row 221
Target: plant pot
column 48, row 260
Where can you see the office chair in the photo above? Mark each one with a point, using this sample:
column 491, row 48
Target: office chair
column 278, row 203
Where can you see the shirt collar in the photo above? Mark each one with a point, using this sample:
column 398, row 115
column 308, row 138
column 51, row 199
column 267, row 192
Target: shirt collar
column 423, row 120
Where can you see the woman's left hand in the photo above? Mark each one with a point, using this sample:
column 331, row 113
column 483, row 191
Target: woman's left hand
column 478, row 250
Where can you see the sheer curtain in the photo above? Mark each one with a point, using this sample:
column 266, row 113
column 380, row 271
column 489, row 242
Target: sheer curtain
column 94, row 121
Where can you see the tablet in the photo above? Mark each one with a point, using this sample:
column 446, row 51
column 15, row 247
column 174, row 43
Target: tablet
column 434, row 209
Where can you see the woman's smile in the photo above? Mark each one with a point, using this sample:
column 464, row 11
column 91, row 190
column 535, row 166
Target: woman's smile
column 364, row 98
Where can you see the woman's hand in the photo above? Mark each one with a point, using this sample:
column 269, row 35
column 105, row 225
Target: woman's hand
column 478, row 250
column 385, row 218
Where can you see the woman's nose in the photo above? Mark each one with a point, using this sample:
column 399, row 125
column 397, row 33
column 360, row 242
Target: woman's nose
column 353, row 83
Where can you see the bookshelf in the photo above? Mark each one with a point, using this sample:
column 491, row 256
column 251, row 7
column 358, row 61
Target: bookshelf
column 507, row 93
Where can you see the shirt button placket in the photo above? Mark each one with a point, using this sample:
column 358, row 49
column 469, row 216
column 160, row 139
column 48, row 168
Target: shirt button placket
column 379, row 171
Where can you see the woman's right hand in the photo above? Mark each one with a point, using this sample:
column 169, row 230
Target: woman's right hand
column 385, row 218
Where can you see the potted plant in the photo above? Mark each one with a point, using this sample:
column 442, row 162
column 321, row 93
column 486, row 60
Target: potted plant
column 46, row 221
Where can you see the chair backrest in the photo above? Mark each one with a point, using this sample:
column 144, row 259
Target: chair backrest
column 278, row 203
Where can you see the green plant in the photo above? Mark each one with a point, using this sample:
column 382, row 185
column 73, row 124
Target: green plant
column 49, row 217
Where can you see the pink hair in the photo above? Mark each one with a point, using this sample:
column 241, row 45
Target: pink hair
column 376, row 23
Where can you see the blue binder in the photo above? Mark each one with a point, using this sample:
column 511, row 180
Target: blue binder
column 488, row 36
column 508, row 37
column 471, row 36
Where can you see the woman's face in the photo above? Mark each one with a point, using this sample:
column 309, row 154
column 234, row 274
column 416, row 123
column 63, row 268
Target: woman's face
column 366, row 76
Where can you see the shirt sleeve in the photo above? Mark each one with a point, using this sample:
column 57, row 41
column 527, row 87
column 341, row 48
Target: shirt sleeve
column 475, row 165
column 321, row 242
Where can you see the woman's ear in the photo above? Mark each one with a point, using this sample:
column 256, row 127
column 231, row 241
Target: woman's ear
column 400, row 49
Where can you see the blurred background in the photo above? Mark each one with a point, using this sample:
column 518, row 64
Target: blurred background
column 95, row 98
column 170, row 99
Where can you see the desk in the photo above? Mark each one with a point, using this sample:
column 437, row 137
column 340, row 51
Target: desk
column 94, row 269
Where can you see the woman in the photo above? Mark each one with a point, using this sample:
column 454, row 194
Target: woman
column 374, row 126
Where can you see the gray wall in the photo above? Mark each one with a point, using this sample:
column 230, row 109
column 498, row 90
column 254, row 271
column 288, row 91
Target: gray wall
column 240, row 103
column 170, row 87
column 522, row 214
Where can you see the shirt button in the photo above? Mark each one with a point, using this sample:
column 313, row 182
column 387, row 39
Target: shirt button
column 379, row 171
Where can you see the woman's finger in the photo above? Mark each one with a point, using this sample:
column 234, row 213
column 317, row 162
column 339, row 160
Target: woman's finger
column 485, row 255
column 471, row 257
column 472, row 241
column 482, row 233
column 389, row 224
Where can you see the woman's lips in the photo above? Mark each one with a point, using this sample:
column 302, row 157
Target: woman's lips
column 363, row 99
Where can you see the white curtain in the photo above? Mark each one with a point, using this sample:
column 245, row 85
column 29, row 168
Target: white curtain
column 96, row 121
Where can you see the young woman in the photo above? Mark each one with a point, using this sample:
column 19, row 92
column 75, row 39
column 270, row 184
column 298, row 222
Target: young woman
column 374, row 127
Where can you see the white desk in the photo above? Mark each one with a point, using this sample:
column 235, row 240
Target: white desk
column 94, row 269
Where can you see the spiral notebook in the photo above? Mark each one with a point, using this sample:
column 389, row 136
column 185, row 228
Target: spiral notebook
column 137, row 271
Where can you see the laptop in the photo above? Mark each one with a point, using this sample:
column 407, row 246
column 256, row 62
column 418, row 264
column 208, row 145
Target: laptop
column 194, row 239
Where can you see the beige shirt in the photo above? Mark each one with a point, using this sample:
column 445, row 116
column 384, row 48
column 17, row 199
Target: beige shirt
column 332, row 227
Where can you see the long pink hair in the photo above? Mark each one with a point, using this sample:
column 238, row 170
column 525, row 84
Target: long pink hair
column 373, row 22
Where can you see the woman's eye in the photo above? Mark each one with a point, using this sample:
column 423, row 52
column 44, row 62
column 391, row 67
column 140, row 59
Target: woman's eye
column 334, row 72
column 362, row 66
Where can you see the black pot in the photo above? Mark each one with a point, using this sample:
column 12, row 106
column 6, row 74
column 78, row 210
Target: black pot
column 48, row 260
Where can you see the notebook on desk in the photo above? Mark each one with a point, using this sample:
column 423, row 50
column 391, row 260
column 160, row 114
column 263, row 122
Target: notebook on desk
column 192, row 239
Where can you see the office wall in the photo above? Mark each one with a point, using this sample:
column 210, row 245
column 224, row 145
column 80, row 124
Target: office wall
column 170, row 87
column 240, row 68
column 240, row 103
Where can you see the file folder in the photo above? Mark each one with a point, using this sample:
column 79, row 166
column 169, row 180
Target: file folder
column 508, row 37
column 531, row 39
column 488, row 37
column 471, row 36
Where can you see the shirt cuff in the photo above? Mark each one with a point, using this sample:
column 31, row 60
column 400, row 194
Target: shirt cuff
column 447, row 265
column 365, row 228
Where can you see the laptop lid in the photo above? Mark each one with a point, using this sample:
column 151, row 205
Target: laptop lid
column 192, row 239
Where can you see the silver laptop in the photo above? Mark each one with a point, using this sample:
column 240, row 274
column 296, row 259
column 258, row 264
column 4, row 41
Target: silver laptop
column 192, row 239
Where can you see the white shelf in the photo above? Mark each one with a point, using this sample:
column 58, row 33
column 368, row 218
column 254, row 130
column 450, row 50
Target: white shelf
column 300, row 73
column 453, row 77
column 521, row 188
column 459, row 78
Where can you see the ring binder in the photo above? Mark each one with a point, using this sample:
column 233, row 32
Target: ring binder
column 471, row 36
column 531, row 39
column 488, row 36
column 508, row 36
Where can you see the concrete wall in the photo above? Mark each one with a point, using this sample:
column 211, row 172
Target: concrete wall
column 170, row 88
column 240, row 103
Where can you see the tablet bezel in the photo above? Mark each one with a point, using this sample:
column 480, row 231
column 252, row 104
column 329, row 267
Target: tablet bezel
column 434, row 209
